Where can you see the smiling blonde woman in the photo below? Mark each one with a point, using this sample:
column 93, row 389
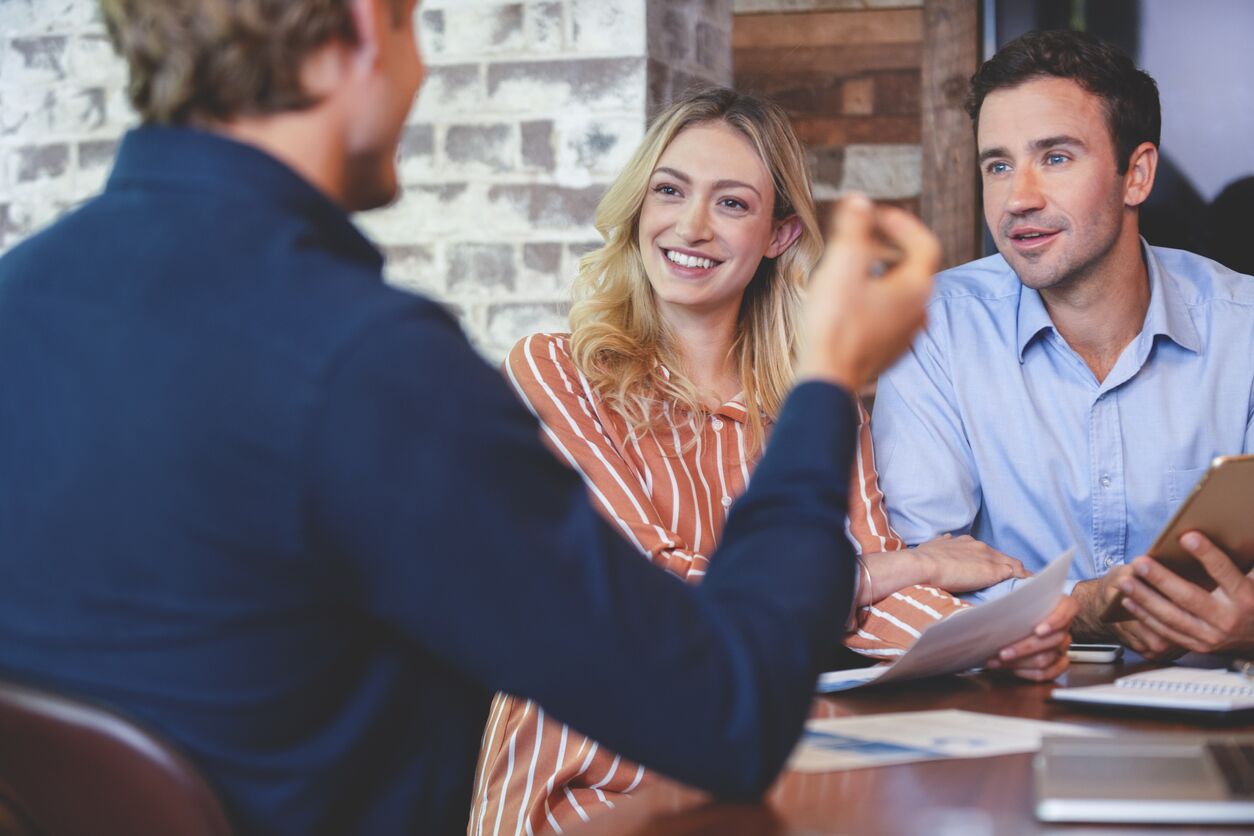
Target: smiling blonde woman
column 685, row 328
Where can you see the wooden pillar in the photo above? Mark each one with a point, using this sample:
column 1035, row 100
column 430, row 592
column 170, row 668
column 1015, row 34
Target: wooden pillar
column 950, row 202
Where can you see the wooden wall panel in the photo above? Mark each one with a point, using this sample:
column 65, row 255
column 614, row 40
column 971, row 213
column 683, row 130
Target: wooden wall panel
column 846, row 77
column 950, row 188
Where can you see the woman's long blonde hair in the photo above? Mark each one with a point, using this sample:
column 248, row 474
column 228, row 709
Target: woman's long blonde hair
column 618, row 335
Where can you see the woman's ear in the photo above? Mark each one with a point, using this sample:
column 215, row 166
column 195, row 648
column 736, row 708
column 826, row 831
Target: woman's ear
column 786, row 232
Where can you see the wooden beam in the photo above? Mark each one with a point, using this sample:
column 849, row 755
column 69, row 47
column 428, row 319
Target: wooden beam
column 949, row 202
column 828, row 29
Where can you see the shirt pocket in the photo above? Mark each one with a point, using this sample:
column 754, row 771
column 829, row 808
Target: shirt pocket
column 1180, row 482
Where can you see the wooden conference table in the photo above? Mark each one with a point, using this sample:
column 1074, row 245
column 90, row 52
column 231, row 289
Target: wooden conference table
column 971, row 797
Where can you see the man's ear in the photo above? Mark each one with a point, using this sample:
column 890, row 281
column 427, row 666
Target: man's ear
column 786, row 232
column 368, row 23
column 1139, row 180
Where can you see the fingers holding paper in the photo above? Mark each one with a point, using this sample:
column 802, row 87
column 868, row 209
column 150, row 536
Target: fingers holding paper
column 1180, row 612
column 1041, row 656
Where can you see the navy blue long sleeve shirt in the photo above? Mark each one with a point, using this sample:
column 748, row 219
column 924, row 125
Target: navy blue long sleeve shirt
column 284, row 515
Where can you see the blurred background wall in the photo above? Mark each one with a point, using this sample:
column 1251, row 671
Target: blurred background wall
column 532, row 106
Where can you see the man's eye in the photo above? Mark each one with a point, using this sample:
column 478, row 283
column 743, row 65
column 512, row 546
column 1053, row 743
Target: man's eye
column 998, row 168
column 1056, row 159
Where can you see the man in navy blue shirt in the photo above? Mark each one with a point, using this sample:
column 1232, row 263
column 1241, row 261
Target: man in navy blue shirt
column 283, row 514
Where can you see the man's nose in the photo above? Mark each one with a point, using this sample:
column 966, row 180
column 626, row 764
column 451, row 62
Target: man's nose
column 1025, row 192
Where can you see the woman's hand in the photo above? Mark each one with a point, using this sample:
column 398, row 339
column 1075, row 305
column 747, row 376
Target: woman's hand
column 954, row 564
column 1041, row 656
column 962, row 564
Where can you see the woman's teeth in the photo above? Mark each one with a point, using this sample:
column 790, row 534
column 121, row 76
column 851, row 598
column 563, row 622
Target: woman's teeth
column 689, row 260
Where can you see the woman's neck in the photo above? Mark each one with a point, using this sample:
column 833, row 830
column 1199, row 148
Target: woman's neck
column 704, row 345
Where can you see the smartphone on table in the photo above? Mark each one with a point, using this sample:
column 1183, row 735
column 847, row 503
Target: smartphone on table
column 1094, row 652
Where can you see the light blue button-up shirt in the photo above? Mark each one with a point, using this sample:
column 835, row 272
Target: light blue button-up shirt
column 993, row 426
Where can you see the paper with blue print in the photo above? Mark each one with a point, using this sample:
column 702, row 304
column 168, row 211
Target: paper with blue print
column 830, row 744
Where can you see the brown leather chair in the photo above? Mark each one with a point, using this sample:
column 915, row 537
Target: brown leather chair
column 68, row 768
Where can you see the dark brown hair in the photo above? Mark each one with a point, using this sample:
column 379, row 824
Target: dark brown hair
column 1129, row 95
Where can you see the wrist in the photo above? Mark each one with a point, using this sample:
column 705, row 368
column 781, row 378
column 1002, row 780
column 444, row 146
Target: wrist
column 821, row 366
column 1088, row 624
column 894, row 570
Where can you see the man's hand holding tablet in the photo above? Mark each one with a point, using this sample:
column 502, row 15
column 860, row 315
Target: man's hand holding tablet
column 1188, row 592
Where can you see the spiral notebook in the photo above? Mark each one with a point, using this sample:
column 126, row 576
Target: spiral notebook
column 1173, row 689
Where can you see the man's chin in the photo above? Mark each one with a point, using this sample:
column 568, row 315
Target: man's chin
column 372, row 187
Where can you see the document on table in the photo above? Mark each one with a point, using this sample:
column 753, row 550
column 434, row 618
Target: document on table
column 1170, row 689
column 968, row 637
column 830, row 744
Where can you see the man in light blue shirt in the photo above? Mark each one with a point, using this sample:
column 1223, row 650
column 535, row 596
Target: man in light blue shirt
column 1072, row 389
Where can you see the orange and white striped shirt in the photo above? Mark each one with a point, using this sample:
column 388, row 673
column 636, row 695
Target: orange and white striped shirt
column 668, row 492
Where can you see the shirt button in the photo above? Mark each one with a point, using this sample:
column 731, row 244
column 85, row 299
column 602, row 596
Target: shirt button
column 717, row 424
column 1105, row 481
column 1110, row 561
column 727, row 501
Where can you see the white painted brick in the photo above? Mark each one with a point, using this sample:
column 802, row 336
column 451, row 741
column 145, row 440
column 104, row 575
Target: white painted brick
column 596, row 147
column 613, row 28
column 26, row 217
column 95, row 161
column 472, row 29
column 540, row 273
column 41, row 16
column 508, row 323
column 36, row 113
column 120, row 115
column 415, row 268
column 564, row 86
column 93, row 61
column 451, row 211
column 478, row 270
column 884, row 171
column 417, row 154
column 38, row 59
column 471, row 150
column 450, row 92
column 544, row 26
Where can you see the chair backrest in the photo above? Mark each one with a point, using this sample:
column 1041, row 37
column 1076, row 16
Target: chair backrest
column 70, row 768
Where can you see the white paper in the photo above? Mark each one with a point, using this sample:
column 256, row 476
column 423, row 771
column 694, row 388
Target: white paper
column 968, row 637
column 830, row 744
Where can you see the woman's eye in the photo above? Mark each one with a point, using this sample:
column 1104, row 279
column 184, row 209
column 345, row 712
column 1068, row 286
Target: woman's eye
column 732, row 203
column 666, row 189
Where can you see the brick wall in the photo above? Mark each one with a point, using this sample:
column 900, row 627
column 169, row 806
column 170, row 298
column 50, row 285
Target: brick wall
column 848, row 73
column 529, row 111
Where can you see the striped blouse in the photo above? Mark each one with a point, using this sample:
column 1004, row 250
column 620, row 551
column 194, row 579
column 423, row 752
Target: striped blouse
column 668, row 492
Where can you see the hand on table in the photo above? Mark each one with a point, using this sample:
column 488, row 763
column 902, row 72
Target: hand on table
column 1042, row 656
column 1182, row 613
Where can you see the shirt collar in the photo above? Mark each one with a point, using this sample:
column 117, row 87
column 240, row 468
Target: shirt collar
column 733, row 410
column 161, row 156
column 1167, row 314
